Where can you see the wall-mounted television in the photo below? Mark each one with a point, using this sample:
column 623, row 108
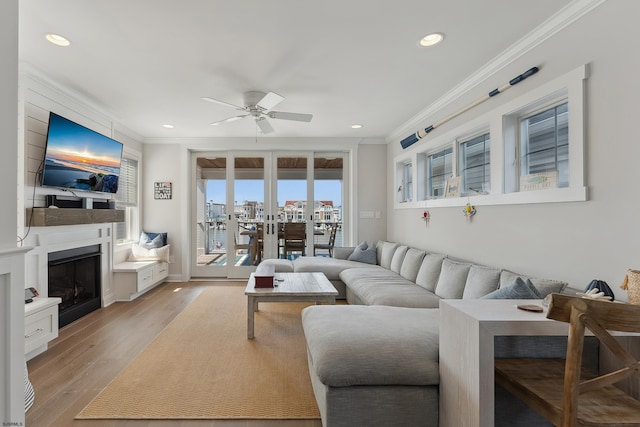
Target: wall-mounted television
column 78, row 158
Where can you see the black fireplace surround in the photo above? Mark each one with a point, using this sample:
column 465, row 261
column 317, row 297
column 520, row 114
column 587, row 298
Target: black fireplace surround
column 74, row 276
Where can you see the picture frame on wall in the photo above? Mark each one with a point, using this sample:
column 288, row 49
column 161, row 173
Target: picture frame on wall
column 453, row 187
column 162, row 190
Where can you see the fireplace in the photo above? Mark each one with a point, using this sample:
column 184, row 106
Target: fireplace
column 74, row 276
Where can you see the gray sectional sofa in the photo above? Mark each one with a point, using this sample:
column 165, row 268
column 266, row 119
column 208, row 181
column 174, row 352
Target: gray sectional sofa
column 374, row 362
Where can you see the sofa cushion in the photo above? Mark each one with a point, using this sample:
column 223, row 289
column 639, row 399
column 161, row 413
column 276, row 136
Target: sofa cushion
column 385, row 251
column 331, row 267
column 453, row 277
column 429, row 271
column 400, row 293
column 481, row 281
column 398, row 257
column 544, row 286
column 518, row 289
column 411, row 264
column 357, row 346
column 363, row 253
column 279, row 265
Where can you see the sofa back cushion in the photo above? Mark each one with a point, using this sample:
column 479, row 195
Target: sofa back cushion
column 429, row 271
column 481, row 281
column 452, row 280
column 398, row 257
column 411, row 264
column 544, row 286
column 385, row 251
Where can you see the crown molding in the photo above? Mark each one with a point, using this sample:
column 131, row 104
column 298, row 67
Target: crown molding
column 562, row 19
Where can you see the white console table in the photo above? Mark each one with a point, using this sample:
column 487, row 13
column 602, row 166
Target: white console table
column 467, row 331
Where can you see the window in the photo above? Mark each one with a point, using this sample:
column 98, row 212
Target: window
column 439, row 169
column 127, row 199
column 408, row 182
column 475, row 168
column 544, row 143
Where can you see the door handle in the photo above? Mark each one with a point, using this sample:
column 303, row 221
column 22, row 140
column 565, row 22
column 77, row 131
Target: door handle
column 267, row 227
column 273, row 228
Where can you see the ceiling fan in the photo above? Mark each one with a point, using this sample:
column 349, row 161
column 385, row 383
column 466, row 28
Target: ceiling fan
column 258, row 105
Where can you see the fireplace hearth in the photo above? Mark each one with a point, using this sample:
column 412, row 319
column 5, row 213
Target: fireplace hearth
column 74, row 276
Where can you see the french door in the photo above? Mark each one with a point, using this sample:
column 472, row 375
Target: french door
column 242, row 202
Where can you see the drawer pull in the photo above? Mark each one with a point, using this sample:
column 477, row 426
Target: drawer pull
column 36, row 332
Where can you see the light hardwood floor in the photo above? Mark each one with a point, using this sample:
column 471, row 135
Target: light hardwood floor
column 90, row 352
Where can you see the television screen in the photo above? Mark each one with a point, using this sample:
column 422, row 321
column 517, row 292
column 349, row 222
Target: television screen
column 79, row 158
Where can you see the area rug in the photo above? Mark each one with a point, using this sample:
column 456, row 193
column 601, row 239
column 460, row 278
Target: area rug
column 202, row 366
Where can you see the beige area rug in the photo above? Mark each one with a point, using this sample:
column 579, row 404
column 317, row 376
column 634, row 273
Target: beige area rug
column 202, row 366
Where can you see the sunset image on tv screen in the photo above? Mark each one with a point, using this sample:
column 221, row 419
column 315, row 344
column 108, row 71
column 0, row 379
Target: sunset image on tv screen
column 79, row 158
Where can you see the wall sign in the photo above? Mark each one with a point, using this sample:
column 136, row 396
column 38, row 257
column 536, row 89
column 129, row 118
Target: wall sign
column 162, row 190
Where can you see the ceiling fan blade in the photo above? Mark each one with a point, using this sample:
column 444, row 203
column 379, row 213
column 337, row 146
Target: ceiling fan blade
column 230, row 119
column 226, row 104
column 264, row 125
column 299, row 117
column 269, row 101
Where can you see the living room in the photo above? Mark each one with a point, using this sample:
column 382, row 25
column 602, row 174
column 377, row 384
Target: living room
column 582, row 232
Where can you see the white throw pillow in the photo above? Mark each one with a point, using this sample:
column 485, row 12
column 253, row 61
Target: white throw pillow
column 138, row 253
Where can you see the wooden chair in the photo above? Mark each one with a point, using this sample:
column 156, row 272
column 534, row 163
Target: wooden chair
column 240, row 247
column 258, row 243
column 295, row 238
column 563, row 392
column 327, row 246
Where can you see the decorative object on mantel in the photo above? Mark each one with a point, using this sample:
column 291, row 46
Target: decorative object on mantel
column 469, row 211
column 631, row 284
column 162, row 190
column 412, row 139
column 600, row 286
column 426, row 217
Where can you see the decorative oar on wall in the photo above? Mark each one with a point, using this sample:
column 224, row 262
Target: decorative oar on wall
column 412, row 139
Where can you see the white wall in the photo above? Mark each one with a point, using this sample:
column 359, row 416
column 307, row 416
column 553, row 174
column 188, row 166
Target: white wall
column 579, row 241
column 371, row 187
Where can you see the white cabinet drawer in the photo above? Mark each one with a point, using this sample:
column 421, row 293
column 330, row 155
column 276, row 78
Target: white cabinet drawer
column 145, row 278
column 40, row 328
column 161, row 271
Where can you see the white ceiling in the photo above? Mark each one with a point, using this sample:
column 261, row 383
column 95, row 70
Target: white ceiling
column 147, row 62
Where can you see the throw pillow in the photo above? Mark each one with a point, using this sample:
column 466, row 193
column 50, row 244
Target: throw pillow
column 139, row 253
column 363, row 253
column 152, row 240
column 518, row 289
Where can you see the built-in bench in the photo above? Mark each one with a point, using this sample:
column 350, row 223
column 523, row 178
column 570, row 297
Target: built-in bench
column 133, row 278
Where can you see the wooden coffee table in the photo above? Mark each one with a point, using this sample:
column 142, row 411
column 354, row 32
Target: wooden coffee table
column 291, row 287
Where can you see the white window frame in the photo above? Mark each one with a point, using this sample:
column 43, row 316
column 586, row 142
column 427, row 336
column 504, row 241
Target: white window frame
column 503, row 126
column 132, row 213
column 461, row 159
column 428, row 177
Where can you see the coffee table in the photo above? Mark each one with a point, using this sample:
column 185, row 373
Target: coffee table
column 290, row 287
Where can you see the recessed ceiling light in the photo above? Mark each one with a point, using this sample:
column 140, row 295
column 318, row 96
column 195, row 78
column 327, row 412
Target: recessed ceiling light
column 58, row 40
column 356, row 126
column 431, row 39
column 168, row 126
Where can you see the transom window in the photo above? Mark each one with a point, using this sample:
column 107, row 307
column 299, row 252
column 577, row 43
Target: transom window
column 408, row 182
column 475, row 167
column 544, row 144
column 439, row 169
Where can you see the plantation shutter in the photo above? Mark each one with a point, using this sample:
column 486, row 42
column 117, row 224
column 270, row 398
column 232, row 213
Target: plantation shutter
column 127, row 195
